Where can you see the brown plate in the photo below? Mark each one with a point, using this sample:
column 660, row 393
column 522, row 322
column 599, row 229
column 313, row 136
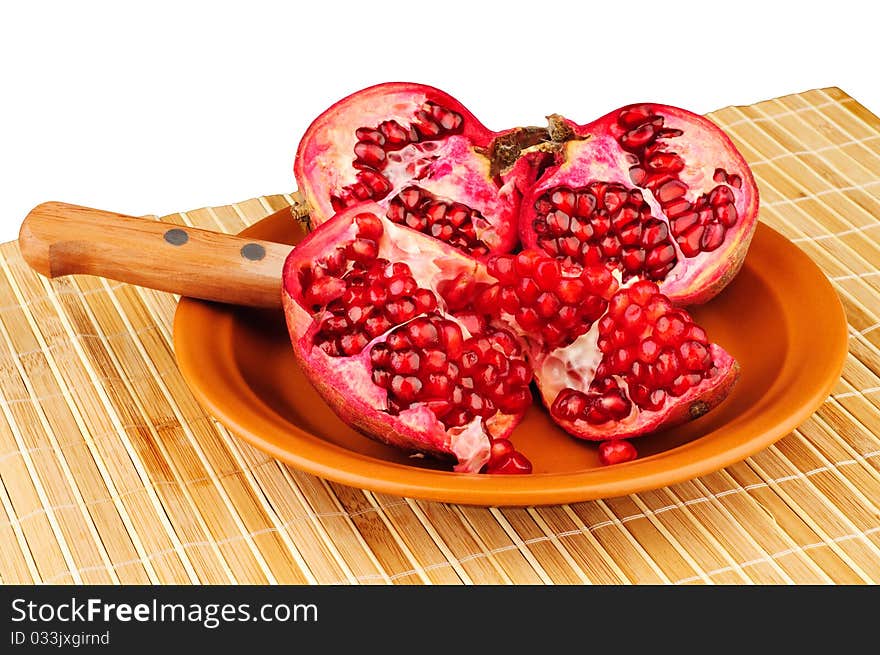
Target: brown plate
column 780, row 318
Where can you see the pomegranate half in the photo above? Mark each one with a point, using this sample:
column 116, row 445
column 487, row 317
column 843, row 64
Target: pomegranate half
column 427, row 160
column 374, row 335
column 654, row 191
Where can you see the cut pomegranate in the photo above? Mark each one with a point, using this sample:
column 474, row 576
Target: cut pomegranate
column 654, row 191
column 424, row 158
column 374, row 333
column 610, row 362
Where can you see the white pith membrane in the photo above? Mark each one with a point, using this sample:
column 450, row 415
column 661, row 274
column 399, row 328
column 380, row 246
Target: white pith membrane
column 350, row 376
column 599, row 157
column 447, row 166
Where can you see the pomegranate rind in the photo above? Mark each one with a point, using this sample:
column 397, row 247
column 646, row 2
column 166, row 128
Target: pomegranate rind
column 345, row 382
column 690, row 406
column 595, row 155
column 325, row 155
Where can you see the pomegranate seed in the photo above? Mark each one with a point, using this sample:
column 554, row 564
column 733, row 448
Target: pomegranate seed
column 369, row 226
column 563, row 199
column 323, row 290
column 437, row 385
column 451, row 338
column 571, row 291
column 395, row 136
column 501, row 267
column 720, row 175
column 648, row 350
column 633, row 259
column 433, row 360
column 713, row 237
column 381, row 378
column 406, row 387
column 689, row 241
column 458, row 214
column 633, row 316
column 614, row 405
column 519, row 373
column 547, row 304
column 569, row 405
column 665, row 161
column 515, row 463
column 670, row 191
column 376, row 325
column 400, row 310
column 405, row 361
column 500, row 448
column 669, row 329
column 527, row 290
column 720, row 195
column 525, row 262
column 638, row 137
column 425, row 300
column 667, row 367
column 423, row 333
column 696, row 333
column 616, row 451
column 694, row 355
column 352, row 344
column 726, row 214
column 634, row 116
column 528, row 318
column 329, row 346
column 425, row 125
column 735, row 181
column 558, row 222
column 362, row 250
column 457, row 292
column 547, row 274
column 397, row 340
column 335, row 324
column 370, row 154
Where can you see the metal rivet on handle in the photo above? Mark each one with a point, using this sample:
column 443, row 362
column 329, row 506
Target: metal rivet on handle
column 253, row 251
column 176, row 236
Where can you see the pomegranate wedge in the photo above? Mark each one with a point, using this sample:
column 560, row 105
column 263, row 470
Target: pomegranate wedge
column 610, row 362
column 425, row 158
column 653, row 191
column 379, row 342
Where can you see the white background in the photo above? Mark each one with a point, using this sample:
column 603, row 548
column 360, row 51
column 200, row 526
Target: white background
column 173, row 105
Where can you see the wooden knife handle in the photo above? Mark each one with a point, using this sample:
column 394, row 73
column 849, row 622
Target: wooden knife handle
column 61, row 239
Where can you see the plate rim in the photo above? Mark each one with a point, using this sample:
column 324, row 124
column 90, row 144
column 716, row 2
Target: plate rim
column 312, row 454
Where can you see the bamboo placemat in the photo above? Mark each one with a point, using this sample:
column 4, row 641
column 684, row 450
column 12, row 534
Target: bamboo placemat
column 111, row 472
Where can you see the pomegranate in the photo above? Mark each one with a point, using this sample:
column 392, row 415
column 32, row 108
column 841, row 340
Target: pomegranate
column 365, row 304
column 428, row 162
column 656, row 192
column 611, row 362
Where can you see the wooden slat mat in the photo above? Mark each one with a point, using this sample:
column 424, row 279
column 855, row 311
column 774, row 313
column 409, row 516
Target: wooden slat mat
column 111, row 472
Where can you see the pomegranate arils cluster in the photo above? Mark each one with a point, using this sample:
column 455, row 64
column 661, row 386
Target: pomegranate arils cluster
column 650, row 347
column 604, row 223
column 545, row 297
column 429, row 361
column 697, row 226
column 448, row 221
column 376, row 146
